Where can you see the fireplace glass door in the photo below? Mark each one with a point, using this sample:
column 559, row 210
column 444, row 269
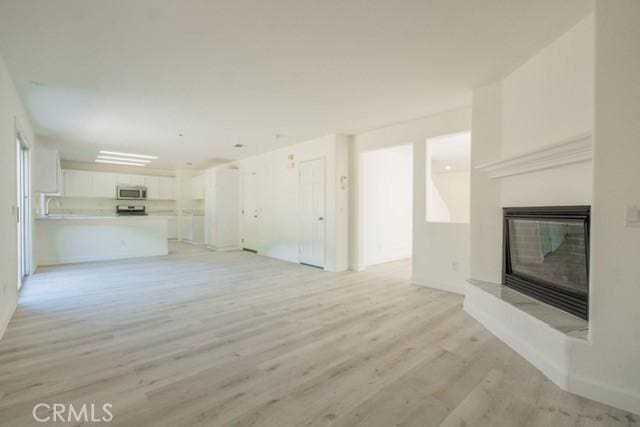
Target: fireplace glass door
column 546, row 255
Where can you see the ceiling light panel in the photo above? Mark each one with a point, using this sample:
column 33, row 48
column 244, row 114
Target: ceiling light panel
column 116, row 153
column 123, row 159
column 114, row 162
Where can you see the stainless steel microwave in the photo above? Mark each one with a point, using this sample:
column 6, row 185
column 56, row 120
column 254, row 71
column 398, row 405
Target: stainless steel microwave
column 131, row 192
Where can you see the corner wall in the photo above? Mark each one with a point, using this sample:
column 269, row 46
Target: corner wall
column 584, row 82
column 11, row 109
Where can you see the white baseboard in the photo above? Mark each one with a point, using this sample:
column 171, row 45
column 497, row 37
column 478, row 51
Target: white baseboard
column 627, row 400
column 224, row 248
column 4, row 321
column 557, row 368
column 449, row 287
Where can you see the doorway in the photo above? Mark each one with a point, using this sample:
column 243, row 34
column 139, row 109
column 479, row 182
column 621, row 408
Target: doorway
column 23, row 209
column 312, row 212
column 250, row 212
column 386, row 205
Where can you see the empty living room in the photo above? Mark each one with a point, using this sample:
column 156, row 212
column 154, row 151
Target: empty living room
column 320, row 213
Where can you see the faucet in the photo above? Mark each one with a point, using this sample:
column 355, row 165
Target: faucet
column 46, row 206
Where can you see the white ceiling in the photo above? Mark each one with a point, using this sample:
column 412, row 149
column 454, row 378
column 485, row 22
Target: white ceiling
column 130, row 75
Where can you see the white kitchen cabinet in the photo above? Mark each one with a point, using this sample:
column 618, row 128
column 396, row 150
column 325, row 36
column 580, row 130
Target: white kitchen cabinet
column 167, row 187
column 222, row 227
column 47, row 175
column 160, row 187
column 94, row 184
column 103, row 185
column 78, row 183
column 137, row 179
column 172, row 231
column 186, row 229
column 153, row 187
column 197, row 187
column 123, row 179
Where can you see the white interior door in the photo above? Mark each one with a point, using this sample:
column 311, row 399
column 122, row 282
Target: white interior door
column 312, row 215
column 250, row 211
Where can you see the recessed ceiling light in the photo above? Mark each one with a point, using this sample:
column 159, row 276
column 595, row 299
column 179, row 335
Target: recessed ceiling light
column 123, row 159
column 447, row 168
column 238, row 145
column 115, row 153
column 114, row 162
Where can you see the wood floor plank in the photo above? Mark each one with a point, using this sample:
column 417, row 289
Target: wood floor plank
column 233, row 338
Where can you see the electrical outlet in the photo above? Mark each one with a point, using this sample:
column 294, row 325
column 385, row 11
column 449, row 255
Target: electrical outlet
column 454, row 265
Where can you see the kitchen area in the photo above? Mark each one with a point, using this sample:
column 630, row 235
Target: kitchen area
column 95, row 211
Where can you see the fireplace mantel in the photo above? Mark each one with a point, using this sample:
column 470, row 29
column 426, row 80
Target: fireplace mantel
column 572, row 150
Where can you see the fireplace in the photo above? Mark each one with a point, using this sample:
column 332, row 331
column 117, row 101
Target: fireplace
column 546, row 255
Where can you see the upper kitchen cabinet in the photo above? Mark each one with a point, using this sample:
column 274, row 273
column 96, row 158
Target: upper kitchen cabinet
column 47, row 175
column 78, row 183
column 138, row 179
column 167, row 187
column 153, row 187
column 160, row 187
column 197, row 187
column 94, row 184
column 103, row 185
column 123, row 179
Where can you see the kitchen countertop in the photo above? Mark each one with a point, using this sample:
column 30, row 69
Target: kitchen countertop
column 97, row 217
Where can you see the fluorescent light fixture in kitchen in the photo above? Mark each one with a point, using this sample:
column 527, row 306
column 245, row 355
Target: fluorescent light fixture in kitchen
column 114, row 162
column 122, row 159
column 141, row 156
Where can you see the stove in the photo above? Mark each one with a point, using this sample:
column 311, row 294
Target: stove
column 125, row 210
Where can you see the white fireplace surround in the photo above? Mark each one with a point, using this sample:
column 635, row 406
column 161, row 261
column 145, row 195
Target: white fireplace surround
column 568, row 151
column 547, row 337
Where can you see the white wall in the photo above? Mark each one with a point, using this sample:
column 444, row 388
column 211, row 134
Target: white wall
column 10, row 109
column 452, row 188
column 279, row 194
column 435, row 246
column 386, row 179
column 611, row 361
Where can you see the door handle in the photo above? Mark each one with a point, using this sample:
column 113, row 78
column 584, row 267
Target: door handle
column 320, row 218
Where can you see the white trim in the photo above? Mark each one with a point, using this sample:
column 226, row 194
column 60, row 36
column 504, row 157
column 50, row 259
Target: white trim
column 553, row 359
column 572, row 150
column 224, row 248
column 450, row 287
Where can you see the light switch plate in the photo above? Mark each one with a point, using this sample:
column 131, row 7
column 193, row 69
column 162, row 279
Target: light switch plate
column 632, row 216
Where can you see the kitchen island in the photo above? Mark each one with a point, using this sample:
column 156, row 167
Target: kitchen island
column 63, row 239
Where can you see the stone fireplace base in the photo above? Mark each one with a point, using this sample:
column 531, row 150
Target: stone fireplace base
column 542, row 334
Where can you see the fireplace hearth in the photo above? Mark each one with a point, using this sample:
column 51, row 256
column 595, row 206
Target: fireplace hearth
column 546, row 255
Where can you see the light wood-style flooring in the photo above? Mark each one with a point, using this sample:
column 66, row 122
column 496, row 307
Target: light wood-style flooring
column 205, row 338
